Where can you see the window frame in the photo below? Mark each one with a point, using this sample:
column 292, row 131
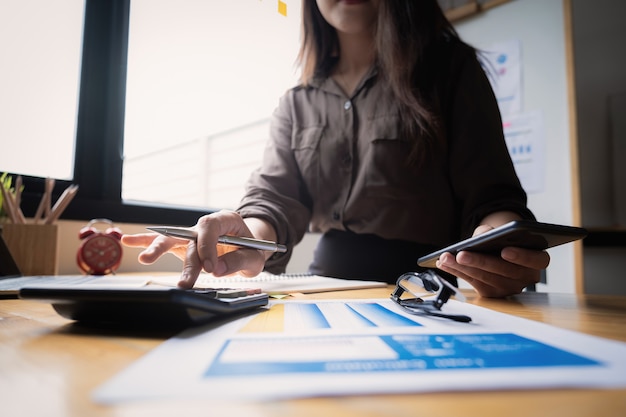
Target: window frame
column 99, row 141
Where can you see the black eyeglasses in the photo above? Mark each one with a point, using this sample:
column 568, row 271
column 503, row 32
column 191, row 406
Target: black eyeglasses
column 426, row 284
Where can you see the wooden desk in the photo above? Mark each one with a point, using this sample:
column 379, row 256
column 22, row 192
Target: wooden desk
column 49, row 366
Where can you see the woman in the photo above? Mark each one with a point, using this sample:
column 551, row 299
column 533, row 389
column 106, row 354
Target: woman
column 391, row 147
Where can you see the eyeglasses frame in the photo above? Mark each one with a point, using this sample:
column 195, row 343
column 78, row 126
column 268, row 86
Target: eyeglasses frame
column 441, row 294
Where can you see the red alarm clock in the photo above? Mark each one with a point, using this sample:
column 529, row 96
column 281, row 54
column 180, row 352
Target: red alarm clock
column 100, row 253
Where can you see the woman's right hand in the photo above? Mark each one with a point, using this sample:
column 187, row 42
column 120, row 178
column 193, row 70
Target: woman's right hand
column 205, row 253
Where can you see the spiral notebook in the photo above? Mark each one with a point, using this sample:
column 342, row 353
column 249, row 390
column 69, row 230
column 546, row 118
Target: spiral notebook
column 278, row 284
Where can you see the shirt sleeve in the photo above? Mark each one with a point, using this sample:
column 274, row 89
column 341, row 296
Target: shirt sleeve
column 482, row 174
column 275, row 192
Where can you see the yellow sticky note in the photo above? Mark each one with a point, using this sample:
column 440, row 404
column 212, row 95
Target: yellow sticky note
column 282, row 8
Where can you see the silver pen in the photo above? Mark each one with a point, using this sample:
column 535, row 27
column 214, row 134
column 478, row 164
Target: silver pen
column 242, row 242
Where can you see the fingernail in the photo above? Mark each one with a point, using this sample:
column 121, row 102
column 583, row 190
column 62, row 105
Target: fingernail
column 220, row 268
column 184, row 281
column 208, row 266
column 508, row 254
column 445, row 260
column 466, row 259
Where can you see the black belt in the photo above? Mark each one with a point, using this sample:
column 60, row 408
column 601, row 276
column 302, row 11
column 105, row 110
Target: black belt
column 344, row 254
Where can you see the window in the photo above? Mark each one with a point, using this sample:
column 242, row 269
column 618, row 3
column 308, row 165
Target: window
column 131, row 132
column 40, row 45
column 203, row 78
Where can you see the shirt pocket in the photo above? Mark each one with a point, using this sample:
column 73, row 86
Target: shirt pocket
column 388, row 169
column 305, row 145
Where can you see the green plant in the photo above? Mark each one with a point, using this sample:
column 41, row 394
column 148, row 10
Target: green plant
column 6, row 181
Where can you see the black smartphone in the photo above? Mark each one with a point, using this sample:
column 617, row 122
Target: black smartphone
column 520, row 233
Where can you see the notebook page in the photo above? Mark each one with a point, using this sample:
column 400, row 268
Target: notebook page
column 278, row 284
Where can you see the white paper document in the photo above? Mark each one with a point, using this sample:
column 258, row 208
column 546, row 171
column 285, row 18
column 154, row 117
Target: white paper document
column 351, row 347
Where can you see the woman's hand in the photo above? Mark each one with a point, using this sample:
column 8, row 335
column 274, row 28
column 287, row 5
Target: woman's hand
column 204, row 253
column 496, row 276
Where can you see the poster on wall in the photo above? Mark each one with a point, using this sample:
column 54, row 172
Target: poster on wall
column 525, row 136
column 503, row 64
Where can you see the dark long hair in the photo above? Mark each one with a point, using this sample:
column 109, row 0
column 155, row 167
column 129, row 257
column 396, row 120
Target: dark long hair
column 407, row 35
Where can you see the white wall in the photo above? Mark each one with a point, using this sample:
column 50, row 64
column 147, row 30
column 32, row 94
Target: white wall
column 539, row 25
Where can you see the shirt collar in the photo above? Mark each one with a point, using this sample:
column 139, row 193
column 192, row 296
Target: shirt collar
column 327, row 84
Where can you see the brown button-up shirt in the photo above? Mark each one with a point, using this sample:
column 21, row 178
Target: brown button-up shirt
column 339, row 162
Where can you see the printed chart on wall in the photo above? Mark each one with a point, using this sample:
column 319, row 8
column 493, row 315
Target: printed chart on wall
column 523, row 131
column 504, row 68
column 350, row 347
column 525, row 138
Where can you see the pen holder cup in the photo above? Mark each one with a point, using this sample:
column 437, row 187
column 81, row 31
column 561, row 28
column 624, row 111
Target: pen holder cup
column 35, row 247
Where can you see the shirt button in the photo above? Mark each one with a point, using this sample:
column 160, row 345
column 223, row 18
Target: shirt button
column 336, row 215
column 347, row 105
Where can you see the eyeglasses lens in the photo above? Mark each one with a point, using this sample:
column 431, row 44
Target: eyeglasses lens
column 419, row 285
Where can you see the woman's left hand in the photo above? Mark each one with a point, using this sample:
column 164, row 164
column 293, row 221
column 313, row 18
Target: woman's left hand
column 496, row 276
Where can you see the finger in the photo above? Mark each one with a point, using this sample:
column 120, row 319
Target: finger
column 192, row 266
column 488, row 267
column 490, row 276
column 142, row 240
column 247, row 262
column 526, row 257
column 490, row 264
column 505, row 276
column 489, row 285
column 205, row 245
column 448, row 263
column 159, row 247
column 482, row 229
column 212, row 226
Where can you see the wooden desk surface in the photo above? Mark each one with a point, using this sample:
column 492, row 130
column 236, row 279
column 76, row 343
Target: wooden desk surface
column 49, row 366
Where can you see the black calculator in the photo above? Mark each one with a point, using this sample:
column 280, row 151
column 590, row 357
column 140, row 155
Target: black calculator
column 147, row 307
